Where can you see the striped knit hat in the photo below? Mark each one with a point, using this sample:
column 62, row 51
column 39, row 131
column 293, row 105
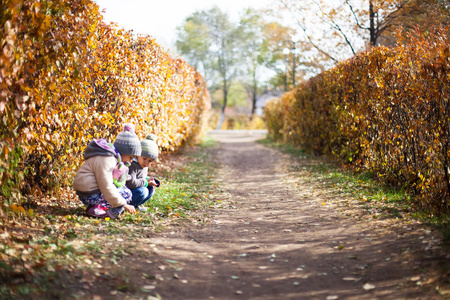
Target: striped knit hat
column 149, row 147
column 127, row 142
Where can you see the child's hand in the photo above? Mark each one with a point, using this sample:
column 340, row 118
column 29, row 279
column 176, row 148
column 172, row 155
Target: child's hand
column 130, row 208
column 151, row 181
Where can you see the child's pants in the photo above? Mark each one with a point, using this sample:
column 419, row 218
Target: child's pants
column 100, row 200
column 141, row 195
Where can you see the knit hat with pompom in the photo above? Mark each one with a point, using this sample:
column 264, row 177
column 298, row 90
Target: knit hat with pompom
column 149, row 147
column 127, row 142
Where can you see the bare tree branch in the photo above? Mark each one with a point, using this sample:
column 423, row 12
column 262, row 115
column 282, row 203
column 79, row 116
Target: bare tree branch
column 355, row 16
column 306, row 33
column 336, row 26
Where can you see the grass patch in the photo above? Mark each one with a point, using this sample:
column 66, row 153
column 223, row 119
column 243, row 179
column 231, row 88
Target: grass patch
column 371, row 194
column 188, row 187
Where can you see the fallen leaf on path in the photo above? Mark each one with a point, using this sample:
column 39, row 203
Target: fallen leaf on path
column 147, row 288
column 368, row 287
column 349, row 278
column 332, row 297
column 171, row 261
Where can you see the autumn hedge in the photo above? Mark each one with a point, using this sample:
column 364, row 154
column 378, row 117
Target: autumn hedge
column 385, row 111
column 66, row 77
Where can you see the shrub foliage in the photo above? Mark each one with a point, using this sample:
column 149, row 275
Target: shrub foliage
column 66, row 77
column 385, row 110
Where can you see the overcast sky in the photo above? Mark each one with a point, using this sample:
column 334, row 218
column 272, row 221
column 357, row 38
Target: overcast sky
column 159, row 18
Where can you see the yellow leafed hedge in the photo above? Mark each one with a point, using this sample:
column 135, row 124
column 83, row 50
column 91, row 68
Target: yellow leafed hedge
column 66, row 78
column 386, row 110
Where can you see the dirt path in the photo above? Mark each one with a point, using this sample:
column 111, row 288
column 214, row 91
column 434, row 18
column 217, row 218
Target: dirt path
column 273, row 237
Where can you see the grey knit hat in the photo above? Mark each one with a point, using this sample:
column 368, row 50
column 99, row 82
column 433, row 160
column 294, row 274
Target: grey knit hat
column 149, row 147
column 127, row 142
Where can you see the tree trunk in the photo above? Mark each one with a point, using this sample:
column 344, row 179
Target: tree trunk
column 224, row 106
column 254, row 91
column 372, row 29
column 220, row 121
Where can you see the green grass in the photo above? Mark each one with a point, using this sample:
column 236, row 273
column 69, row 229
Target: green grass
column 185, row 189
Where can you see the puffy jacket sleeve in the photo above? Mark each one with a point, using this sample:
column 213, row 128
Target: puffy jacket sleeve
column 103, row 167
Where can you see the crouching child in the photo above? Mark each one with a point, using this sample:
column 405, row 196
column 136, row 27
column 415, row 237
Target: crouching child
column 141, row 185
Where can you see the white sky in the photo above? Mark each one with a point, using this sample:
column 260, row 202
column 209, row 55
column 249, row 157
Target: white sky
column 159, row 18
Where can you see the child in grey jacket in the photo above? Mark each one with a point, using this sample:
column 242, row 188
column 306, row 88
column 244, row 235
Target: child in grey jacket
column 141, row 185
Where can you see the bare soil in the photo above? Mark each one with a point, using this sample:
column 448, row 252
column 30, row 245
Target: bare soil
column 274, row 236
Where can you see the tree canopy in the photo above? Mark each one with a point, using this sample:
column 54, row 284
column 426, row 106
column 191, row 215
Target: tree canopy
column 227, row 51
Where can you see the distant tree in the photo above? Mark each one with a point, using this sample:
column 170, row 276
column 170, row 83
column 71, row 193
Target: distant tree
column 276, row 39
column 253, row 53
column 193, row 43
column 218, row 46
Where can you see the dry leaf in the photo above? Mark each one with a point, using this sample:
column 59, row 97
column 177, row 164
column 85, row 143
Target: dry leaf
column 368, row 287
